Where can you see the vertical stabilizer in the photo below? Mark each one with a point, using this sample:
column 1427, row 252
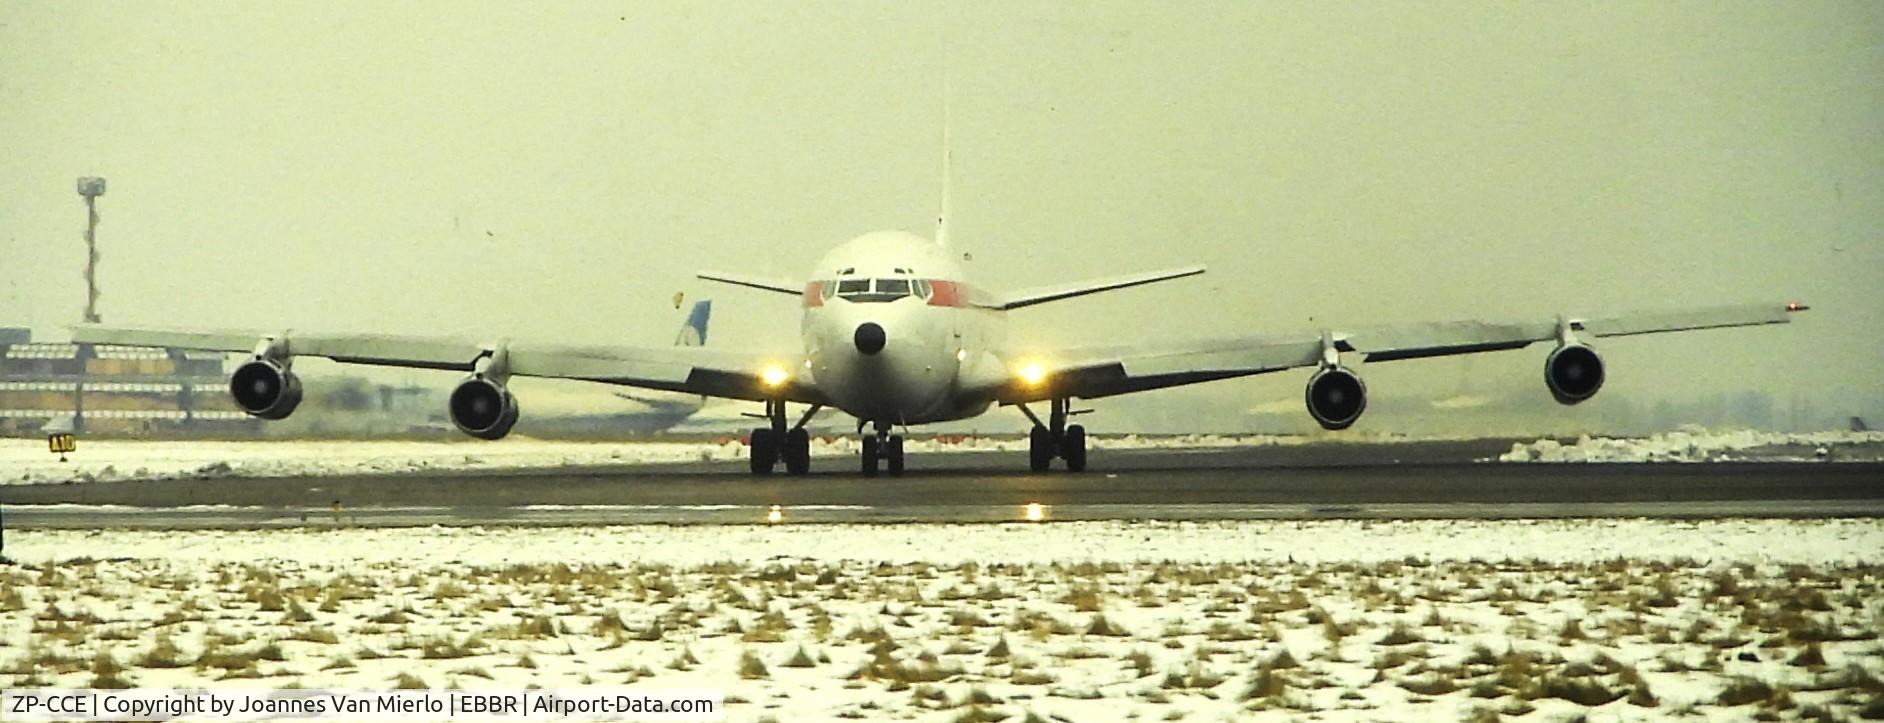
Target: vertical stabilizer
column 694, row 331
column 942, row 216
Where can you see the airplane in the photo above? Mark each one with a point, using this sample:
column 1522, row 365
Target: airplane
column 896, row 334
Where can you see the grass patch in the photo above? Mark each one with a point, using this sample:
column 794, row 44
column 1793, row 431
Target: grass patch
column 751, row 667
column 800, row 659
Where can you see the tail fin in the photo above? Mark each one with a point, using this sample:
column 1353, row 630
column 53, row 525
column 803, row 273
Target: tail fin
column 694, row 332
column 942, row 214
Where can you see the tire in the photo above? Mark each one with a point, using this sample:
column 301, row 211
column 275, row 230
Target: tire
column 1074, row 449
column 763, row 451
column 870, row 456
column 798, row 451
column 895, row 455
column 1040, row 449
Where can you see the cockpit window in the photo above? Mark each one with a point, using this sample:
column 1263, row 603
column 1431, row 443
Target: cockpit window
column 899, row 287
column 873, row 290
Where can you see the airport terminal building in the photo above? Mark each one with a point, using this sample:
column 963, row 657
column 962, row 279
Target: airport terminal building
column 114, row 390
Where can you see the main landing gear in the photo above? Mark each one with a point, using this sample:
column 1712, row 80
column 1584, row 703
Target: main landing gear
column 885, row 448
column 775, row 443
column 1056, row 438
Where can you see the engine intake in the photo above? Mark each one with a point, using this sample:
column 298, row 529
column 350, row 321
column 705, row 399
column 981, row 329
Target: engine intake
column 483, row 408
column 1336, row 397
column 265, row 388
column 1574, row 373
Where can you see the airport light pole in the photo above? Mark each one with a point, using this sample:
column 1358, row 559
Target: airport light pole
column 91, row 187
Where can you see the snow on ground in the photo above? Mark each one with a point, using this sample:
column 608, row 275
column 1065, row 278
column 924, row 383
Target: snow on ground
column 25, row 461
column 1541, row 620
column 1695, row 445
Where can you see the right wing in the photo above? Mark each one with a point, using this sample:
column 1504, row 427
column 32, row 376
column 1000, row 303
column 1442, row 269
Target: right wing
column 1107, row 371
column 691, row 370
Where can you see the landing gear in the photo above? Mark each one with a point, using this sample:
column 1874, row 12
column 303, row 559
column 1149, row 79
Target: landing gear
column 885, row 448
column 797, row 451
column 1056, row 439
column 870, row 454
column 1073, row 448
column 775, row 443
column 763, row 451
column 1040, row 448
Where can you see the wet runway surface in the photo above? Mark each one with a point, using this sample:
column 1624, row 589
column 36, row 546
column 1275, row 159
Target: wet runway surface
column 1370, row 481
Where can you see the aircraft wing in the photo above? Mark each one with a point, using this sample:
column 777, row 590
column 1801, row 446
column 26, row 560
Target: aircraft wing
column 1044, row 294
column 692, row 370
column 1107, row 371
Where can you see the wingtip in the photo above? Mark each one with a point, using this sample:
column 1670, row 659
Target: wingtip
column 1794, row 306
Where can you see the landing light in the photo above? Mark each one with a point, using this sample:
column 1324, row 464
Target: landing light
column 1033, row 374
column 1796, row 306
column 775, row 515
column 774, row 375
column 1035, row 512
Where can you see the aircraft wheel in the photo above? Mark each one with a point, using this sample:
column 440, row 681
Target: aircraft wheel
column 1040, row 449
column 763, row 451
column 870, row 454
column 894, row 453
column 797, row 451
column 1074, row 448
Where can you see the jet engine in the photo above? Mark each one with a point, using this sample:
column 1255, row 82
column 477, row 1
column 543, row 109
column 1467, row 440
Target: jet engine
column 265, row 388
column 1573, row 372
column 483, row 408
column 1336, row 397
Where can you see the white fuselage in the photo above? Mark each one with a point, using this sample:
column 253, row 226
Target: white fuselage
column 894, row 332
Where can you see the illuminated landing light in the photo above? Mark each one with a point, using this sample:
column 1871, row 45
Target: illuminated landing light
column 1035, row 512
column 961, row 355
column 774, row 376
column 775, row 515
column 1796, row 306
column 1032, row 374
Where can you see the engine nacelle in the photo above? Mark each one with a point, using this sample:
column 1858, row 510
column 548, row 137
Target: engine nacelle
column 265, row 388
column 483, row 408
column 1336, row 397
column 1573, row 372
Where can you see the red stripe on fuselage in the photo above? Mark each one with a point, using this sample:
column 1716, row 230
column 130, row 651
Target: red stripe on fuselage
column 947, row 293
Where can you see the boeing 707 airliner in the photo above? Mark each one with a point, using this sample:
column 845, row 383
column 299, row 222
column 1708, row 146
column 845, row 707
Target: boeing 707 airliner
column 896, row 334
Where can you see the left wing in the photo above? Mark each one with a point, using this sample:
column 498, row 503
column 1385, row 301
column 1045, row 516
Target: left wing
column 688, row 369
column 1044, row 294
column 1107, row 371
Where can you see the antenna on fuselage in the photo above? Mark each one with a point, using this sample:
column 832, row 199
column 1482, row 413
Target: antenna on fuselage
column 942, row 217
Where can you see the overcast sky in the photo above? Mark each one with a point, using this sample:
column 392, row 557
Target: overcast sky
column 558, row 171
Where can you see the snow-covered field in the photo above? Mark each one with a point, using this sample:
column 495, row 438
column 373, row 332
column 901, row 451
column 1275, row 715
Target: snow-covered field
column 25, row 461
column 1705, row 446
column 1616, row 619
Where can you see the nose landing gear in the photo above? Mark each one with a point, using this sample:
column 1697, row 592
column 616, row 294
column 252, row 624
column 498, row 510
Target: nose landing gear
column 1056, row 438
column 885, row 448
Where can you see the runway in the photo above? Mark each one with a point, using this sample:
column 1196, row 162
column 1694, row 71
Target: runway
column 1432, row 480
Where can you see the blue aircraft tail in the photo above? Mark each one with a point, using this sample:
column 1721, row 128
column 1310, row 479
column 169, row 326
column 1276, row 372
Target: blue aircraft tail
column 694, row 332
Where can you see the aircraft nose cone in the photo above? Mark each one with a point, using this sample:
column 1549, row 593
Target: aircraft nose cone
column 869, row 338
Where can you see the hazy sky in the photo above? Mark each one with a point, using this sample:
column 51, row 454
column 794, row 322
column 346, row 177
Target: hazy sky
column 558, row 171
